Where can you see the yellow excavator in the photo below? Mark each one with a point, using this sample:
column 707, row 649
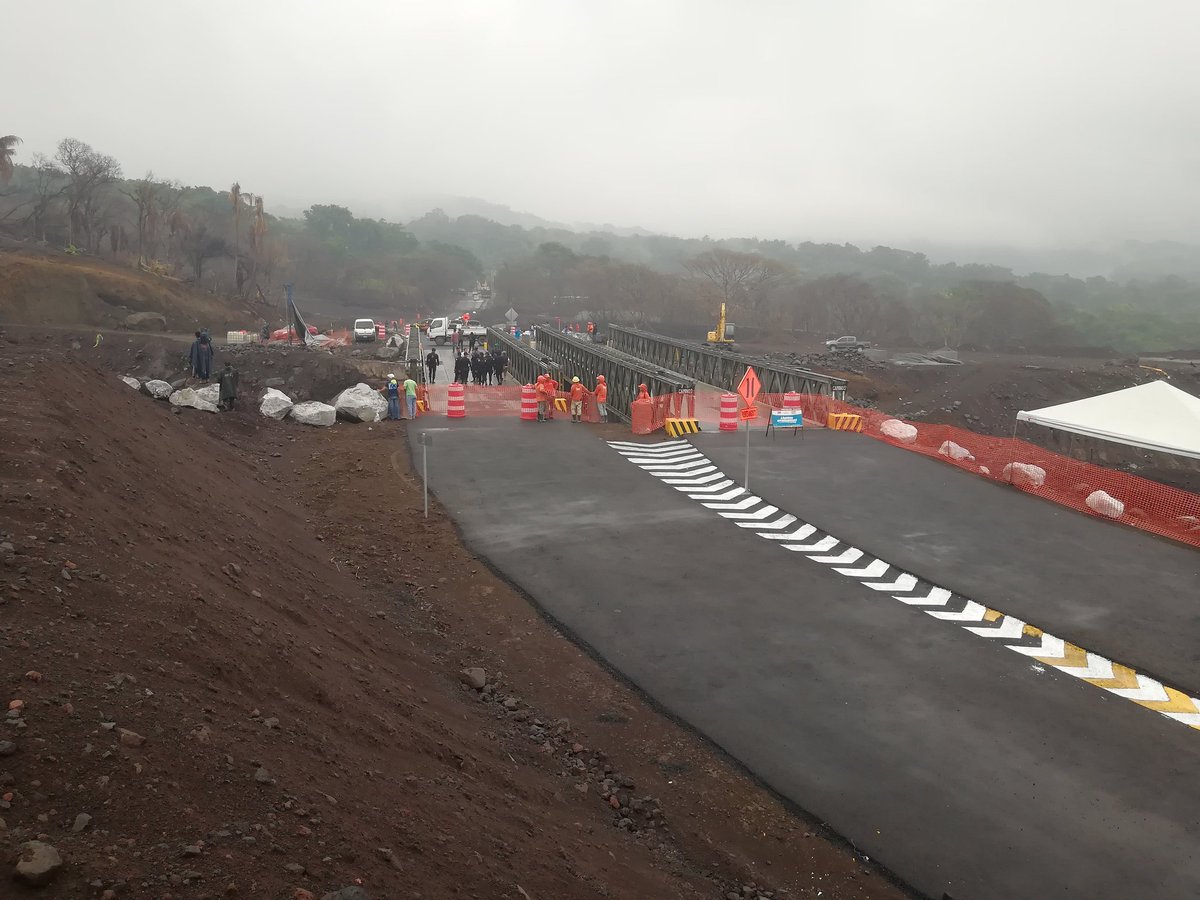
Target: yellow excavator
column 723, row 336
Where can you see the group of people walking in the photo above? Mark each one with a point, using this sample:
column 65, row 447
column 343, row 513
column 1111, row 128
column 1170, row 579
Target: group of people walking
column 481, row 366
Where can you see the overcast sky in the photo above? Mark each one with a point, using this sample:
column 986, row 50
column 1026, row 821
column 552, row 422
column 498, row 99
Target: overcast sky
column 1031, row 122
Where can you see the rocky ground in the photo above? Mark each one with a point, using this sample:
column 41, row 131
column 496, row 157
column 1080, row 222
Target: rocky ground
column 239, row 663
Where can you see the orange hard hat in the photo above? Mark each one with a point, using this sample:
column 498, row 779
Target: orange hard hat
column 599, row 377
column 541, row 378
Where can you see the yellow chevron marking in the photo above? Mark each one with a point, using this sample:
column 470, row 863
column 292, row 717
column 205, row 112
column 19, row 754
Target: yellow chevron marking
column 992, row 615
column 1073, row 658
column 1032, row 631
column 1123, row 677
column 1180, row 703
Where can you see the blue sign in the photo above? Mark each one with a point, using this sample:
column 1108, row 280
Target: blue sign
column 787, row 418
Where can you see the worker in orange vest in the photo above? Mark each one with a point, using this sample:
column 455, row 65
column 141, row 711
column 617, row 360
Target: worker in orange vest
column 643, row 393
column 577, row 392
column 551, row 395
column 601, row 398
column 540, row 392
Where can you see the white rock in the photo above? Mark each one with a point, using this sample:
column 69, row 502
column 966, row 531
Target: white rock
column 192, row 399
column 985, row 470
column 314, row 413
column 275, row 404
column 1018, row 473
column 361, row 403
column 1105, row 504
column 900, row 431
column 38, row 863
column 955, row 451
column 159, row 390
column 210, row 393
column 132, row 382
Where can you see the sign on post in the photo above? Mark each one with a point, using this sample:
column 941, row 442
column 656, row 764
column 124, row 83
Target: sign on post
column 749, row 412
column 749, row 386
column 511, row 315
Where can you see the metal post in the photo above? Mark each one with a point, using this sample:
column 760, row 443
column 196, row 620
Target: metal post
column 425, row 473
column 746, row 483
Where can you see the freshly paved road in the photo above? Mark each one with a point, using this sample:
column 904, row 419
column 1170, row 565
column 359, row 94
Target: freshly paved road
column 956, row 763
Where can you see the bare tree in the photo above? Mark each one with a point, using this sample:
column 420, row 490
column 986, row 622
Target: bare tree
column 143, row 196
column 737, row 277
column 8, row 151
column 87, row 173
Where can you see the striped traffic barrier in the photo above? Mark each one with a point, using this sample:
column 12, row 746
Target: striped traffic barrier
column 528, row 403
column 456, row 404
column 791, row 400
column 844, row 422
column 729, row 412
column 677, row 426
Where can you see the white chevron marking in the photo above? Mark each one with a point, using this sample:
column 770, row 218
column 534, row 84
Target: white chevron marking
column 936, row 597
column 696, row 492
column 657, row 468
column 665, row 458
column 694, row 476
column 1148, row 689
column 1192, row 719
column 1049, row 648
column 660, row 447
column 782, row 522
column 825, row 543
column 904, row 582
column 804, row 531
column 695, row 482
column 849, row 555
column 972, row 612
column 758, row 514
column 873, row 569
column 1097, row 667
column 744, row 503
column 728, row 495
column 1008, row 629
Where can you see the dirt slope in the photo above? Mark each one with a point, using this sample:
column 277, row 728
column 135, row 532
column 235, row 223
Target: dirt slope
column 44, row 288
column 237, row 649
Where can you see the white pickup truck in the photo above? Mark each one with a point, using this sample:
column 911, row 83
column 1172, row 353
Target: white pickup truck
column 441, row 328
column 847, row 342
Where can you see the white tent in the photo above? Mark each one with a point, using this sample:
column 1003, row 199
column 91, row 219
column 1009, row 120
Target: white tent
column 1155, row 416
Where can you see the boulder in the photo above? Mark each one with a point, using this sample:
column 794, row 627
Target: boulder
column 132, row 382
column 360, row 403
column 1105, row 504
column 1024, row 473
column 38, row 863
column 955, row 451
column 159, row 390
column 150, row 321
column 387, row 353
column 191, row 398
column 899, row 431
column 347, row 893
column 210, row 393
column 275, row 404
column 314, row 413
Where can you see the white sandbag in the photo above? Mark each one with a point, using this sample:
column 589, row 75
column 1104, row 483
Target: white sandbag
column 900, row 431
column 314, row 413
column 275, row 404
column 159, row 390
column 955, row 451
column 360, row 403
column 1024, row 473
column 1105, row 504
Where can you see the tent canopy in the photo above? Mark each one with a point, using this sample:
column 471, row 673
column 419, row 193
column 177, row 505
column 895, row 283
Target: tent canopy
column 1154, row 416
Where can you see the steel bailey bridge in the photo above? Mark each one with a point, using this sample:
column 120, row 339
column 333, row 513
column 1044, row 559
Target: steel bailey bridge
column 524, row 363
column 721, row 368
column 623, row 373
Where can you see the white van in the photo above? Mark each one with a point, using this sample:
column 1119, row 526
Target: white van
column 364, row 330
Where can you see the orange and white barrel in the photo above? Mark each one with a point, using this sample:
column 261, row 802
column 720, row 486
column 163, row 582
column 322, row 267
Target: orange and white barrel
column 729, row 412
column 791, row 400
column 456, row 403
column 528, row 404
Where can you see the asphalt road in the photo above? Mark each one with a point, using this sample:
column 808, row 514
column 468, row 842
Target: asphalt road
column 961, row 766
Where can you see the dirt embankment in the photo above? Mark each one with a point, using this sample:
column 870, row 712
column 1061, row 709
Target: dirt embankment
column 44, row 288
column 233, row 652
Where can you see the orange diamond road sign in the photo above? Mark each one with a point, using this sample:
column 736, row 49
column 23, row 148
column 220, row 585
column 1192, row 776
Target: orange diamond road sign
column 749, row 412
column 749, row 386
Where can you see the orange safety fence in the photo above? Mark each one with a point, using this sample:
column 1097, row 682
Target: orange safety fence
column 499, row 400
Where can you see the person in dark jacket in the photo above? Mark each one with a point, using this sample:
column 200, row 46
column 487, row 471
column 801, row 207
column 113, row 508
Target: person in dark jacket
column 203, row 357
column 462, row 367
column 194, row 357
column 228, row 381
column 432, row 361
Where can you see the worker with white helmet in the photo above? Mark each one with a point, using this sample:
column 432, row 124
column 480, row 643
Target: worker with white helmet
column 577, row 392
column 392, row 389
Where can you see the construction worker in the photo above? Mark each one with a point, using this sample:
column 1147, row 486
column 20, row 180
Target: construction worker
column 551, row 396
column 602, row 398
column 577, row 392
column 541, row 393
column 392, row 390
column 228, row 382
column 410, row 396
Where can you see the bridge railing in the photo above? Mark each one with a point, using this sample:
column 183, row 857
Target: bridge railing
column 524, row 363
column 622, row 372
column 721, row 368
column 414, row 355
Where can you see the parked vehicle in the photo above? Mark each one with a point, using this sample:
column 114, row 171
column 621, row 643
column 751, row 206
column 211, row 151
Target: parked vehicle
column 364, row 330
column 442, row 327
column 846, row 342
